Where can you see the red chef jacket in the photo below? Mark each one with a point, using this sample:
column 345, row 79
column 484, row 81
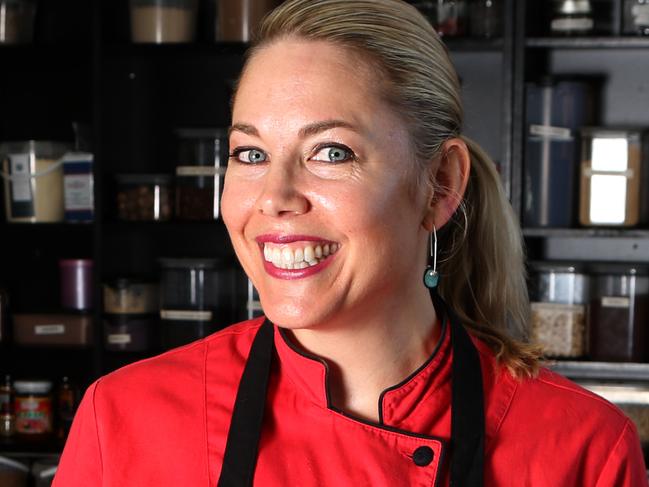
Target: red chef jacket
column 164, row 422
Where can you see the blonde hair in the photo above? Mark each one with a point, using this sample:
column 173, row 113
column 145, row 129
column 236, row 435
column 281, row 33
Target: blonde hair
column 482, row 266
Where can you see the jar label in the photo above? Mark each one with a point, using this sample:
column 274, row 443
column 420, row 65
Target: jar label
column 549, row 132
column 615, row 302
column 185, row 315
column 33, row 415
column 199, row 171
column 21, row 190
column 49, row 329
column 78, row 192
column 578, row 23
column 119, row 339
column 640, row 14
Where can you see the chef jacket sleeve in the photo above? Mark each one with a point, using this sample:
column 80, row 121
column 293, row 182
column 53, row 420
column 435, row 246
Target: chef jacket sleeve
column 625, row 464
column 81, row 463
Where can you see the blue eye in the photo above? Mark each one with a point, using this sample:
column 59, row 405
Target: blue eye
column 333, row 153
column 249, row 156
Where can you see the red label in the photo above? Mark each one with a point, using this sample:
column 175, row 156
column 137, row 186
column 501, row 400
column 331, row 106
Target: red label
column 33, row 415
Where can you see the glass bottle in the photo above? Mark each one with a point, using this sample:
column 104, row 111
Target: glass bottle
column 66, row 402
column 7, row 417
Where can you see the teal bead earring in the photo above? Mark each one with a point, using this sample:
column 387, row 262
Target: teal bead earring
column 431, row 277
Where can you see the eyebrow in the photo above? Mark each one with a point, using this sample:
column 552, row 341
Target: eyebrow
column 306, row 131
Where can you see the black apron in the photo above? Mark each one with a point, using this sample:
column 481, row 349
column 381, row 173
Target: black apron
column 467, row 408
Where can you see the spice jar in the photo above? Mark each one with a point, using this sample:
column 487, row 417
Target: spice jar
column 202, row 159
column 33, row 407
column 612, row 176
column 636, row 17
column 76, row 283
column 572, row 17
column 619, row 313
column 128, row 333
column 163, row 21
column 485, row 18
column 144, row 197
column 130, row 296
column 17, row 21
column 559, row 296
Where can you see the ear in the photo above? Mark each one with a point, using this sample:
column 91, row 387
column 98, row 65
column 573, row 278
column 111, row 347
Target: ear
column 452, row 177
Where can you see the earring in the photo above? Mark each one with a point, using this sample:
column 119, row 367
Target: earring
column 431, row 277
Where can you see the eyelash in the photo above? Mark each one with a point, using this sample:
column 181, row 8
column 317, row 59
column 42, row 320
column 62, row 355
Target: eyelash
column 331, row 145
column 239, row 150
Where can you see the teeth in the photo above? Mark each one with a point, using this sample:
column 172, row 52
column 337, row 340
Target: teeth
column 299, row 258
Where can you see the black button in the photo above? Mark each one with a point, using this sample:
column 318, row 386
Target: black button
column 423, row 456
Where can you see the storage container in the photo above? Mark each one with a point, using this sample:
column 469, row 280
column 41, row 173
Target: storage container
column 163, row 21
column 129, row 333
column 614, row 173
column 619, row 313
column 237, row 19
column 448, row 17
column 13, row 473
column 572, row 17
column 76, row 284
column 636, row 17
column 131, row 296
column 78, row 187
column 486, row 18
column 33, row 180
column 555, row 111
column 17, row 21
column 33, row 407
column 559, row 295
column 53, row 329
column 202, row 160
column 144, row 197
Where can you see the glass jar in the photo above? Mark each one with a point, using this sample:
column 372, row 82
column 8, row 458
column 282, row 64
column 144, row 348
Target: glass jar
column 612, row 174
column 202, row 160
column 486, row 18
column 572, row 18
column 33, row 407
column 163, row 21
column 144, row 197
column 128, row 333
column 619, row 313
column 559, row 295
column 448, row 17
column 130, row 296
column 237, row 19
column 636, row 17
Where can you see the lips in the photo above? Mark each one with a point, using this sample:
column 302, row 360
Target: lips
column 294, row 256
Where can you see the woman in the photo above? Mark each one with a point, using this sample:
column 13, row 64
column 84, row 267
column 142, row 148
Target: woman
column 346, row 158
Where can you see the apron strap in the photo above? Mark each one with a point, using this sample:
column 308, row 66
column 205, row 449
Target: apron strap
column 240, row 456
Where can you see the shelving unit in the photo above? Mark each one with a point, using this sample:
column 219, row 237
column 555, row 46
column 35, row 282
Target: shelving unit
column 135, row 96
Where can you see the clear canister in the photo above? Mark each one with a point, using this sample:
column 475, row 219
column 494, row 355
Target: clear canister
column 237, row 19
column 131, row 296
column 33, row 180
column 33, row 407
column 163, row 21
column 612, row 176
column 572, row 17
column 144, row 197
column 202, row 160
column 559, row 294
column 619, row 313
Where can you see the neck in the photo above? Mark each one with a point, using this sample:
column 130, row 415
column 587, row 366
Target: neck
column 378, row 351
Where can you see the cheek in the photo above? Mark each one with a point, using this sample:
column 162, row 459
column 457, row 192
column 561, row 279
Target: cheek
column 237, row 201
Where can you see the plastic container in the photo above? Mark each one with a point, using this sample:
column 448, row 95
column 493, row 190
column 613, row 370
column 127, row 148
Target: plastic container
column 237, row 20
column 202, row 161
column 572, row 17
column 131, row 296
column 17, row 21
column 13, row 473
column 33, row 407
column 197, row 296
column 613, row 173
column 636, row 17
column 163, row 21
column 555, row 111
column 76, row 284
column 486, row 18
column 128, row 333
column 144, row 197
column 78, row 187
column 619, row 314
column 33, row 180
column 72, row 330
column 559, row 297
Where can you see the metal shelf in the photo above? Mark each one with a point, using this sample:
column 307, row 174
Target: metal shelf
column 586, row 232
column 618, row 371
column 472, row 44
column 588, row 42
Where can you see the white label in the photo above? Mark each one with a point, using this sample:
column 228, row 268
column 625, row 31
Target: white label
column 615, row 302
column 119, row 339
column 21, row 182
column 547, row 131
column 78, row 192
column 199, row 171
column 640, row 14
column 49, row 329
column 184, row 315
column 580, row 23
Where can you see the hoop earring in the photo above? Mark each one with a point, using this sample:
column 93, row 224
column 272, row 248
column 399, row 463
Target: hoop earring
column 431, row 277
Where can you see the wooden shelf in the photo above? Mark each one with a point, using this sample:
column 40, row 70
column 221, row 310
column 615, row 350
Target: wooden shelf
column 588, row 42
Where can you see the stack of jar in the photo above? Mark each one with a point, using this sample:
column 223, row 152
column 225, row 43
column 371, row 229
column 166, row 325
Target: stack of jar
column 599, row 312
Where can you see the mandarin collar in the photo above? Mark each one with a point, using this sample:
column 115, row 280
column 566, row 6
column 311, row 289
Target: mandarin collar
column 309, row 374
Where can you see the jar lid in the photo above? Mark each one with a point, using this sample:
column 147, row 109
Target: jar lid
column 32, row 386
column 185, row 263
column 125, row 282
column 43, row 149
column 202, row 133
column 161, row 179
column 573, row 7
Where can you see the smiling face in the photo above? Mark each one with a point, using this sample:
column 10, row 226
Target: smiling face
column 318, row 196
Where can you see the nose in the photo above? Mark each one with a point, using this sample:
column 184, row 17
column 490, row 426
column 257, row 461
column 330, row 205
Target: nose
column 281, row 195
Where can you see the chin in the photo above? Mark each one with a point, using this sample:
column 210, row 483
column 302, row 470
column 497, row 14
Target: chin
column 292, row 316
